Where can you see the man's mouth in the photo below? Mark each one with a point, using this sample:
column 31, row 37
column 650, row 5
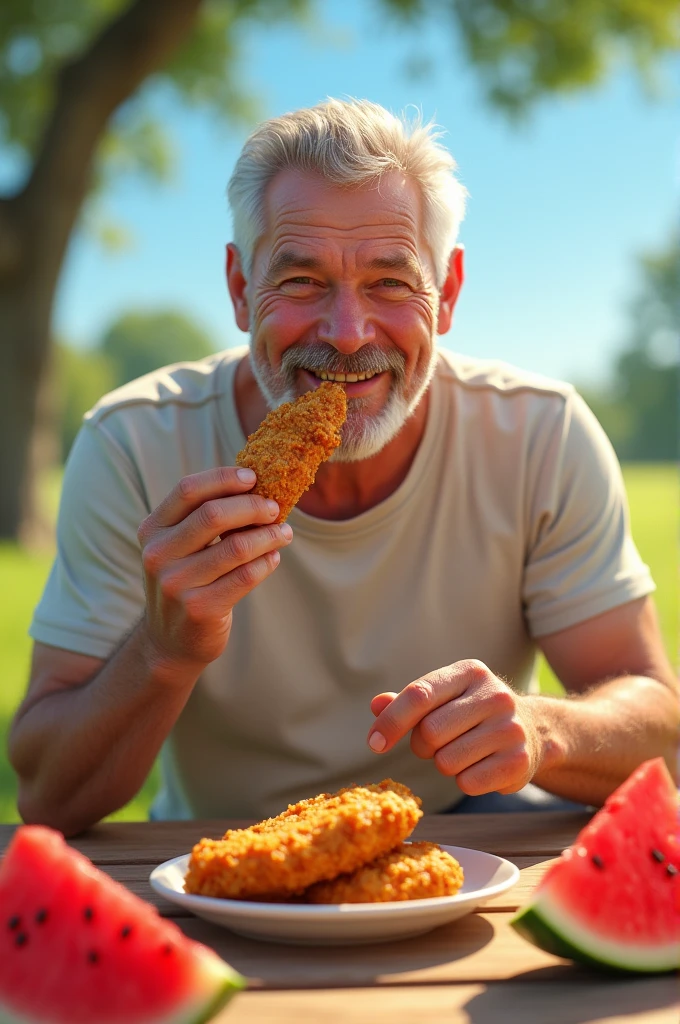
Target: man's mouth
column 341, row 378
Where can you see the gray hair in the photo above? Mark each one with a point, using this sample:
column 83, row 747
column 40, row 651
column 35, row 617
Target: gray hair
column 350, row 143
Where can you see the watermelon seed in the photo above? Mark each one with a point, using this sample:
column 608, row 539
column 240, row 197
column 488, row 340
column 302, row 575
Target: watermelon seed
column 14, row 922
column 21, row 939
column 93, row 956
column 597, row 861
column 41, row 916
column 672, row 870
column 125, row 931
column 658, row 856
column 88, row 913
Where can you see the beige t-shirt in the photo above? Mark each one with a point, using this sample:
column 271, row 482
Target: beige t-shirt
column 511, row 524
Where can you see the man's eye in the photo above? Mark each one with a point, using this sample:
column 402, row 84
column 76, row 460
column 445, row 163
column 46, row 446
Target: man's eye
column 299, row 280
column 392, row 282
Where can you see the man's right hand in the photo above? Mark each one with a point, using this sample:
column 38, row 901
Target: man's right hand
column 86, row 735
column 207, row 545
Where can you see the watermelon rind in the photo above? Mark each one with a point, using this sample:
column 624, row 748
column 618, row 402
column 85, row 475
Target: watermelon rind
column 628, row 918
column 222, row 982
column 225, row 980
column 191, row 992
column 548, row 926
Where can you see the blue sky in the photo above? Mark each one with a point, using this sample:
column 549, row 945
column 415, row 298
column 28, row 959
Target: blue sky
column 559, row 208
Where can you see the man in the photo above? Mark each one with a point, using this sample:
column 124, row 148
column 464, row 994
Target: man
column 472, row 514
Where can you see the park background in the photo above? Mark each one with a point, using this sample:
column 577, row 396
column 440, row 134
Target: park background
column 563, row 120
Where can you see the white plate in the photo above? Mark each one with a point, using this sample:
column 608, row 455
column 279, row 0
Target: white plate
column 347, row 923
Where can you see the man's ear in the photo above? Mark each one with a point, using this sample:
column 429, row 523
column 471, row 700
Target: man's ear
column 237, row 285
column 450, row 291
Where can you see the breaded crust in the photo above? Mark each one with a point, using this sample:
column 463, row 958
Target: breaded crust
column 412, row 871
column 309, row 842
column 292, row 441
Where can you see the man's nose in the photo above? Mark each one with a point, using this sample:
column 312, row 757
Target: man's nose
column 346, row 323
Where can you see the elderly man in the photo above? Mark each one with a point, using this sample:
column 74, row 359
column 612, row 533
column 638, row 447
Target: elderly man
column 472, row 514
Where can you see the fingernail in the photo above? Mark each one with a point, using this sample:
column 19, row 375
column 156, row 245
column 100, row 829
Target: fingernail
column 286, row 531
column 377, row 742
column 273, row 507
column 246, row 476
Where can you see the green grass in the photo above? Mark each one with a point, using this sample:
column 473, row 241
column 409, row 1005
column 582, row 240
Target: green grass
column 23, row 576
column 654, row 498
column 654, row 494
column 655, row 504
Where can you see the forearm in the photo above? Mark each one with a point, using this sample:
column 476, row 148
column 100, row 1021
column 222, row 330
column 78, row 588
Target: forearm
column 83, row 752
column 589, row 744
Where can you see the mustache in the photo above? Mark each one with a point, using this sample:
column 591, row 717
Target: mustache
column 322, row 356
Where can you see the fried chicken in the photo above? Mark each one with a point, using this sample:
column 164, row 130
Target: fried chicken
column 311, row 841
column 290, row 444
column 412, row 871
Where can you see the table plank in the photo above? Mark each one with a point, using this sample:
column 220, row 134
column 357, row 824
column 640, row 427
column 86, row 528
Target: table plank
column 470, row 972
column 511, row 835
column 136, row 878
column 544, row 833
column 480, row 947
column 137, row 842
column 531, row 871
column 595, row 1000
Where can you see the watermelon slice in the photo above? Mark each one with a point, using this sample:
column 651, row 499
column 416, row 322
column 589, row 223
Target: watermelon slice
column 78, row 948
column 613, row 898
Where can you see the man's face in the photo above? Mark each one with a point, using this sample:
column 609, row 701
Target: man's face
column 343, row 284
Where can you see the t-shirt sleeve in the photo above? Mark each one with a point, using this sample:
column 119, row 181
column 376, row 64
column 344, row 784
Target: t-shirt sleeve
column 95, row 593
column 581, row 560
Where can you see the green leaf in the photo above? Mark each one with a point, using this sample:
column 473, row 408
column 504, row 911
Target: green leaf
column 524, row 50
column 37, row 38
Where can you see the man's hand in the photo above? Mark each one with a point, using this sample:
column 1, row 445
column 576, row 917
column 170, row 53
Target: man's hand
column 470, row 722
column 207, row 545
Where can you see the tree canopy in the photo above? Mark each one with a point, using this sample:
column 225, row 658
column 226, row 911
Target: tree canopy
column 76, row 105
column 525, row 50
column 134, row 344
column 40, row 38
column 522, row 50
column 140, row 342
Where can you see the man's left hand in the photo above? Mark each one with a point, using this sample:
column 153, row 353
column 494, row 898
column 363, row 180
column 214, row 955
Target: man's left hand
column 469, row 721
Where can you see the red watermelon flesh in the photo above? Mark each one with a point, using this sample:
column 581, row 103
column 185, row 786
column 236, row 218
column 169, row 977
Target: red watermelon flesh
column 78, row 948
column 613, row 898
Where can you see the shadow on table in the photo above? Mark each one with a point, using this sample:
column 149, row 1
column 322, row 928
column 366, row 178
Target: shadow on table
column 568, row 994
column 275, row 965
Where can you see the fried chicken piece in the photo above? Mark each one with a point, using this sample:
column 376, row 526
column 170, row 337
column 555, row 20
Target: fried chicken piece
column 309, row 842
column 412, row 871
column 292, row 441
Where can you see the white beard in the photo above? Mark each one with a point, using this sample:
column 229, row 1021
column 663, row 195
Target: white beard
column 362, row 436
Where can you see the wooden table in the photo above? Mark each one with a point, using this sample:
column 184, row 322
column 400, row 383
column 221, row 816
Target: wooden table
column 473, row 971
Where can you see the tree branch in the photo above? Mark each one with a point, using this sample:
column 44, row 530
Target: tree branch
column 89, row 90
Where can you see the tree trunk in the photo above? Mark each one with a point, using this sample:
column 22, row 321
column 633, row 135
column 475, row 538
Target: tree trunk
column 26, row 298
column 27, row 442
column 35, row 227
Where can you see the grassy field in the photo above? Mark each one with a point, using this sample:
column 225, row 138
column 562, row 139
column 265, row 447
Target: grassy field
column 655, row 504
column 23, row 576
column 654, row 498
